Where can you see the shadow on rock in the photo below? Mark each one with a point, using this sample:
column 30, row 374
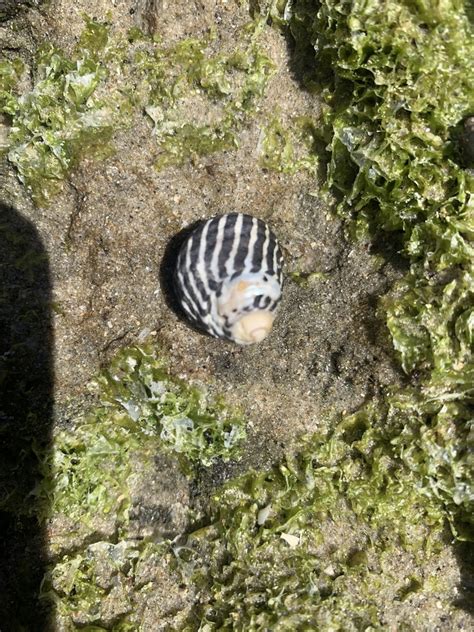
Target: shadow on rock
column 465, row 556
column 26, row 397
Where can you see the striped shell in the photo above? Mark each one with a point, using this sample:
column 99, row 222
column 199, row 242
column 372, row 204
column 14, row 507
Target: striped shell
column 228, row 277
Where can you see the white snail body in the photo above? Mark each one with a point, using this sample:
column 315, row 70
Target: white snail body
column 228, row 277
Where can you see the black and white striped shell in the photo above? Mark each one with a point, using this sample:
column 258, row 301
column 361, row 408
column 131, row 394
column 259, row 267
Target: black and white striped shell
column 228, row 277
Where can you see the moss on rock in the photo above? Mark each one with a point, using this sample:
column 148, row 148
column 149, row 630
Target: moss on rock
column 198, row 100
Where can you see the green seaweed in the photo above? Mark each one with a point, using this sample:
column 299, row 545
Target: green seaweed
column 290, row 150
column 87, row 478
column 86, row 474
column 397, row 81
column 10, row 74
column 61, row 117
column 305, row 279
column 187, row 423
column 91, row 587
column 268, row 558
column 198, row 100
column 222, row 89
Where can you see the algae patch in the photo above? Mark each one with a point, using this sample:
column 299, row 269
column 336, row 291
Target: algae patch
column 272, row 556
column 95, row 470
column 146, row 410
column 197, row 98
column 290, row 149
column 397, row 82
column 186, row 422
column 198, row 101
column 91, row 588
column 63, row 115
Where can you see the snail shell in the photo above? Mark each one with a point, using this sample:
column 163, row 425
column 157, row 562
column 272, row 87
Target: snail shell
column 228, row 277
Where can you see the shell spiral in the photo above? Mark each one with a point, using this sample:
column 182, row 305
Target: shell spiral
column 228, row 277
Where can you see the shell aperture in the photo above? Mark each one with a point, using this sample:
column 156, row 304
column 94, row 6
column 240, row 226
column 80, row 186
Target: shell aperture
column 228, row 277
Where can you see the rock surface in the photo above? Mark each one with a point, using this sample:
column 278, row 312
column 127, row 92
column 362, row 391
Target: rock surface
column 106, row 234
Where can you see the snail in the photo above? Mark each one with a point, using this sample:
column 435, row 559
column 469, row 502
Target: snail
column 228, row 277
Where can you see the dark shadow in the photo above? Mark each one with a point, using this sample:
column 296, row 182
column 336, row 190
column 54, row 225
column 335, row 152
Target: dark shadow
column 26, row 398
column 465, row 556
column 469, row 7
column 168, row 267
column 11, row 8
column 460, row 145
column 390, row 246
column 311, row 77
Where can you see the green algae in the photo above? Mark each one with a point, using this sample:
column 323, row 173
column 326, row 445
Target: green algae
column 290, row 149
column 145, row 410
column 271, row 556
column 87, row 478
column 90, row 587
column 198, row 100
column 187, row 422
column 396, row 83
column 86, row 473
column 305, row 279
column 221, row 89
column 61, row 117
column 10, row 73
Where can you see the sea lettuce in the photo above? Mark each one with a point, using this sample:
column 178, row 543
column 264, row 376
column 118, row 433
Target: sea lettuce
column 199, row 100
column 310, row 543
column 144, row 410
column 196, row 99
column 62, row 116
column 187, row 422
column 290, row 149
column 397, row 81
